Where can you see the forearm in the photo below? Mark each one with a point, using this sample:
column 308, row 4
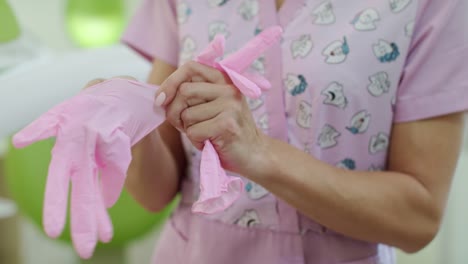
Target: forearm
column 154, row 174
column 386, row 207
column 158, row 160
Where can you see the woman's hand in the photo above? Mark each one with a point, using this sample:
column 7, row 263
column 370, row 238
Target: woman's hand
column 202, row 102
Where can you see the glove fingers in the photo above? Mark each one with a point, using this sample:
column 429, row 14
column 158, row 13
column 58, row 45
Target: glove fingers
column 214, row 50
column 259, row 80
column 247, row 54
column 83, row 201
column 56, row 192
column 246, row 86
column 105, row 231
column 115, row 157
column 42, row 128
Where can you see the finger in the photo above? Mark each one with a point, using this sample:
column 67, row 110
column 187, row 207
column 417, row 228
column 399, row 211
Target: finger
column 114, row 157
column 247, row 54
column 202, row 112
column 44, row 127
column 84, row 230
column 56, row 190
column 94, row 82
column 211, row 130
column 105, row 230
column 191, row 94
column 213, row 51
column 186, row 73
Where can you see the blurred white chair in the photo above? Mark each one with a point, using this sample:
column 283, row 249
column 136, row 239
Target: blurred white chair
column 33, row 87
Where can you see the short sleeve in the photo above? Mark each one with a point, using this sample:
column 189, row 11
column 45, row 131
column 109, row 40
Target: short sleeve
column 153, row 31
column 435, row 77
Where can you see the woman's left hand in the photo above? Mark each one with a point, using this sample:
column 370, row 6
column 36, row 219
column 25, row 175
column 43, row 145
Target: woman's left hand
column 202, row 102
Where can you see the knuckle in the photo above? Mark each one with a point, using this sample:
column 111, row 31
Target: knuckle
column 232, row 90
column 186, row 116
column 190, row 66
column 227, row 123
column 233, row 106
column 219, row 77
column 184, row 90
column 191, row 134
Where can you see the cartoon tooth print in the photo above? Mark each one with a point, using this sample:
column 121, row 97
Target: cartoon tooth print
column 257, row 30
column 255, row 191
column 301, row 47
column 215, row 3
column 379, row 84
column 248, row 219
column 359, row 122
column 398, row 5
column 336, row 52
column 183, row 12
column 188, row 49
column 217, row 27
column 328, row 137
column 348, row 164
column 334, row 95
column 385, row 51
column 248, row 9
column 304, row 115
column 263, row 122
column 378, row 143
column 365, row 20
column 324, row 14
column 259, row 65
column 295, row 84
column 409, row 29
column 254, row 104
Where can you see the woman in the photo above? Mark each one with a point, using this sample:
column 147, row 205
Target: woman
column 353, row 148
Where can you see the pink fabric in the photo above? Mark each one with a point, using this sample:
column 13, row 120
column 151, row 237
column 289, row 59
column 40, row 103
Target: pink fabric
column 94, row 133
column 344, row 72
column 192, row 238
column 434, row 81
column 162, row 20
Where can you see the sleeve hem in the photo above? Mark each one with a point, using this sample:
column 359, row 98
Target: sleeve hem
column 417, row 108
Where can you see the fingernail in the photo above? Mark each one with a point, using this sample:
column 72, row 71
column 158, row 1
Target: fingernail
column 160, row 99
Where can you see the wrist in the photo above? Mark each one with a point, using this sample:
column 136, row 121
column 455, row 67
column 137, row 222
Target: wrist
column 261, row 161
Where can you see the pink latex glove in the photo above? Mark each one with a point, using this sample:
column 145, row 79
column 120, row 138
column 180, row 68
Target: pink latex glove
column 218, row 191
column 94, row 133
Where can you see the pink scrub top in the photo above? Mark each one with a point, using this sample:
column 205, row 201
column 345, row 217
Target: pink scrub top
column 343, row 74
